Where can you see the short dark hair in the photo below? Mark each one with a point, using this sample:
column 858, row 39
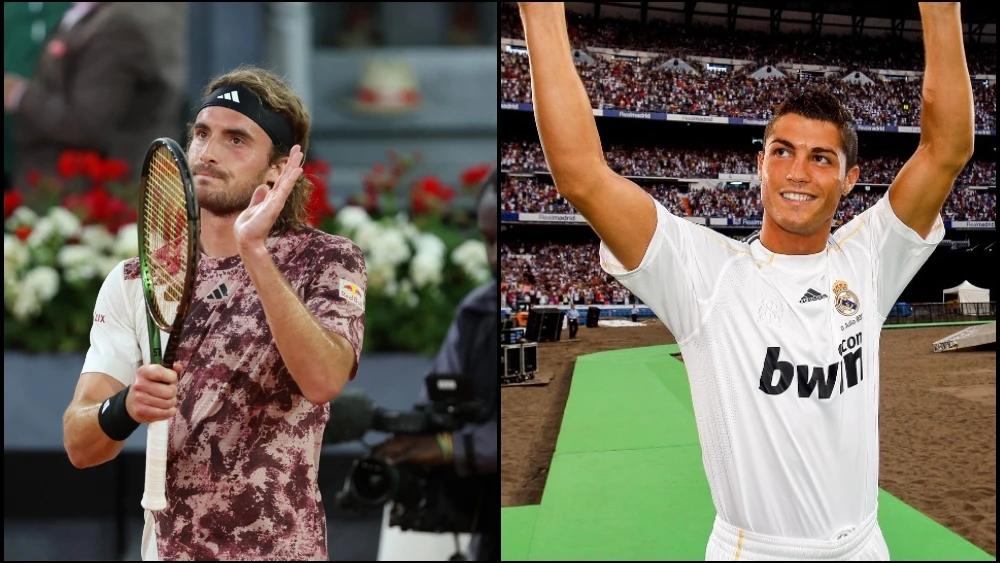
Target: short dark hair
column 820, row 104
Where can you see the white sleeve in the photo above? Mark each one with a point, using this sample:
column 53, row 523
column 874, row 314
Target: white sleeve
column 678, row 273
column 114, row 347
column 898, row 252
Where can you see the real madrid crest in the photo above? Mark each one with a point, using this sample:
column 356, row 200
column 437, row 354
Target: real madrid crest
column 845, row 300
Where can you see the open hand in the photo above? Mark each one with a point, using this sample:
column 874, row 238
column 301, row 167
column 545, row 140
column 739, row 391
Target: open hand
column 254, row 225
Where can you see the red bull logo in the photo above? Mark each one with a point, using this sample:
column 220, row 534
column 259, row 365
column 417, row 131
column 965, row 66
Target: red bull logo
column 351, row 293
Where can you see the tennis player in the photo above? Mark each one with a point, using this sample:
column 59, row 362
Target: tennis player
column 274, row 332
column 780, row 334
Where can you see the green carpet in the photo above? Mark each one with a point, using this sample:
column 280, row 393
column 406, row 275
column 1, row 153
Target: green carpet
column 622, row 488
column 517, row 525
column 925, row 325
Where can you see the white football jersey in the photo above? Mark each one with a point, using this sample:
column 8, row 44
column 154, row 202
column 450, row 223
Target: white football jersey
column 782, row 355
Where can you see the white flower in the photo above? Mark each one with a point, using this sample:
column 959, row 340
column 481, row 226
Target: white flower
column 21, row 216
column 352, row 217
column 425, row 269
column 390, row 248
column 24, row 301
column 411, row 232
column 366, row 235
column 44, row 282
column 65, row 223
column 15, row 255
column 427, row 243
column 471, row 257
column 79, row 262
column 43, row 232
column 127, row 243
column 380, row 275
column 81, row 272
column 74, row 255
column 97, row 237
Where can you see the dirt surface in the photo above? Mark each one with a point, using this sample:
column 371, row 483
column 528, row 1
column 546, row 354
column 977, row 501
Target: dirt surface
column 938, row 423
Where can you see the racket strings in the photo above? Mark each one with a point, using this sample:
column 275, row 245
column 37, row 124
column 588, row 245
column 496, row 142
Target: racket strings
column 166, row 234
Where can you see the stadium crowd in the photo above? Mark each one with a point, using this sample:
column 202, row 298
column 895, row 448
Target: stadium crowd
column 657, row 36
column 550, row 272
column 539, row 195
column 556, row 274
column 663, row 162
column 651, row 87
column 672, row 162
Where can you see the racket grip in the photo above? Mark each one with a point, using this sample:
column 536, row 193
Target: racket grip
column 154, row 494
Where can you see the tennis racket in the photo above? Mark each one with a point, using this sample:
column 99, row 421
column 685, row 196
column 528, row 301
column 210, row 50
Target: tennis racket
column 169, row 229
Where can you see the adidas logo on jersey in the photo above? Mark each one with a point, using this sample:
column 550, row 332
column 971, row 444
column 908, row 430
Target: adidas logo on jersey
column 219, row 293
column 812, row 295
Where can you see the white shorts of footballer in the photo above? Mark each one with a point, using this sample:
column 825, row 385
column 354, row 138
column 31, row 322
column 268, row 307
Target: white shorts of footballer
column 728, row 543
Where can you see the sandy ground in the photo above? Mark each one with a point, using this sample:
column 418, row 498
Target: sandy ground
column 938, row 423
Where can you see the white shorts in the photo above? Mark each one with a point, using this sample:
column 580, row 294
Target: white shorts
column 728, row 543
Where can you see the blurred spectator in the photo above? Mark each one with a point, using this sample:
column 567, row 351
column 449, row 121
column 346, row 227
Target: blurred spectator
column 26, row 27
column 104, row 84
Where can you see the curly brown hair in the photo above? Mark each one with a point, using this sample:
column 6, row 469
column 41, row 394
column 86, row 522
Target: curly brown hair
column 281, row 99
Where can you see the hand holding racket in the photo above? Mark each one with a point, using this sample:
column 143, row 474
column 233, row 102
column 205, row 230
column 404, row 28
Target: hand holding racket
column 153, row 396
column 169, row 232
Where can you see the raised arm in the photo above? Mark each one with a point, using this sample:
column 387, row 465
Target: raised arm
column 621, row 213
column 946, row 122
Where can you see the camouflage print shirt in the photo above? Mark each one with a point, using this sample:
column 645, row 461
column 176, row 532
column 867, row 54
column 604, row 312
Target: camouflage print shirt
column 244, row 447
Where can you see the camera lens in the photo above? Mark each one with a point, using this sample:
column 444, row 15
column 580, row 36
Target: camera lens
column 373, row 481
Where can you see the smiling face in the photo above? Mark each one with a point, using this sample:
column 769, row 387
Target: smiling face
column 803, row 173
column 229, row 156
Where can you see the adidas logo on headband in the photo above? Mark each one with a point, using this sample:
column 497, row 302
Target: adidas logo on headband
column 244, row 100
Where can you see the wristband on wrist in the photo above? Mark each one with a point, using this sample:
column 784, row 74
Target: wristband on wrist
column 447, row 447
column 114, row 418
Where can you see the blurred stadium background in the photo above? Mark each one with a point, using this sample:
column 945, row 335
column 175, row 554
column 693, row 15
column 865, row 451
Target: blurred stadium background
column 403, row 104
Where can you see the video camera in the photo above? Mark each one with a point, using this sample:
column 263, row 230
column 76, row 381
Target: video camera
column 424, row 499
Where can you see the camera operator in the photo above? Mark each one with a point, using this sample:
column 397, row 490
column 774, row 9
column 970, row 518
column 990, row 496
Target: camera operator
column 469, row 349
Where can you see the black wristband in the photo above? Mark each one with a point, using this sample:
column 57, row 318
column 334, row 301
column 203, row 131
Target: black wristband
column 114, row 418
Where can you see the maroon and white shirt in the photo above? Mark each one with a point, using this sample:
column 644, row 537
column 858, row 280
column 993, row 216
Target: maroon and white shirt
column 244, row 448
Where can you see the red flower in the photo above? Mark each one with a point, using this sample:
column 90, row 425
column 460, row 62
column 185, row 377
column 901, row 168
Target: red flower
column 318, row 208
column 114, row 170
column 430, row 194
column 91, row 166
column 473, row 176
column 67, row 165
column 11, row 201
column 23, row 232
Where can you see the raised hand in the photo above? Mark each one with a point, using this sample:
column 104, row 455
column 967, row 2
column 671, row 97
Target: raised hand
column 253, row 226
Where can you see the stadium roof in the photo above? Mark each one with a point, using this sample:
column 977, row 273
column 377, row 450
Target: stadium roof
column 856, row 17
